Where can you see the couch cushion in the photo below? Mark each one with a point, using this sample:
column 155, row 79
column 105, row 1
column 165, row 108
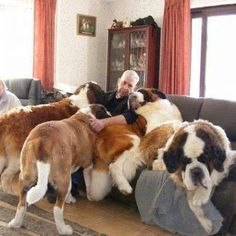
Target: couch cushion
column 189, row 107
column 233, row 145
column 222, row 113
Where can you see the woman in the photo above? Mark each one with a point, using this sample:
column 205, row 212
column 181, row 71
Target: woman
column 8, row 100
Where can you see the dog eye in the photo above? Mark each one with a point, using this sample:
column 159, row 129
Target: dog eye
column 143, row 103
column 185, row 162
column 203, row 158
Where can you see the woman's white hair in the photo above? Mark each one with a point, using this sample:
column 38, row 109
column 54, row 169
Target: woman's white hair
column 130, row 73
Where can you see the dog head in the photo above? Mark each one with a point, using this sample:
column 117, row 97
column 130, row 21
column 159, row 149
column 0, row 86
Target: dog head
column 97, row 111
column 91, row 92
column 198, row 155
column 144, row 95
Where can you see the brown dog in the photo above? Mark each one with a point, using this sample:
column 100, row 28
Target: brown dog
column 17, row 123
column 117, row 147
column 51, row 152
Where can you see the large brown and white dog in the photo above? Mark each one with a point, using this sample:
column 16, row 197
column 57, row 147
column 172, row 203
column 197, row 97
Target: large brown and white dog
column 52, row 151
column 117, row 148
column 17, row 123
column 198, row 157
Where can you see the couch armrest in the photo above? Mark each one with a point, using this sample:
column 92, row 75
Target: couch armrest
column 35, row 92
column 28, row 90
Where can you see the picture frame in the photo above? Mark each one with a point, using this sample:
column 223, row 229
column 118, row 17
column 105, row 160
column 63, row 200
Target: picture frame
column 86, row 25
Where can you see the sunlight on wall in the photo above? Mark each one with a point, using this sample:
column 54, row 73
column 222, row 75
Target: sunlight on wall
column 16, row 41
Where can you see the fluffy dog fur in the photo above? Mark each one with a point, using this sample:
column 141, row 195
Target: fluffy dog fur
column 17, row 123
column 198, row 157
column 117, row 147
column 51, row 152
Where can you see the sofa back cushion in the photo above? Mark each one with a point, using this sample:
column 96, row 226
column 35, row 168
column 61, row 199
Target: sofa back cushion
column 189, row 107
column 20, row 87
column 220, row 112
column 28, row 90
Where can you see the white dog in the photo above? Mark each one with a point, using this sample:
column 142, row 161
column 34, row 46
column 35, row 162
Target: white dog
column 198, row 157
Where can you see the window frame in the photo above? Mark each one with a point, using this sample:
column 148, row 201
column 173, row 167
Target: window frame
column 204, row 13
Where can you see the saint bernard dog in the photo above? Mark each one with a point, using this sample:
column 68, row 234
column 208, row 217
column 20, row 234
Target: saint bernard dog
column 52, row 151
column 17, row 123
column 197, row 156
column 117, row 155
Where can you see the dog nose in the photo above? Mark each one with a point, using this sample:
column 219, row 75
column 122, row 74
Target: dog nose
column 197, row 174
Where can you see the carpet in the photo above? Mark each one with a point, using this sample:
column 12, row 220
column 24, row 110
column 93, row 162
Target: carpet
column 37, row 222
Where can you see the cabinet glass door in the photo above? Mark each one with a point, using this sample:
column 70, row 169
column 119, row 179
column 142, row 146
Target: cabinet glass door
column 117, row 59
column 138, row 54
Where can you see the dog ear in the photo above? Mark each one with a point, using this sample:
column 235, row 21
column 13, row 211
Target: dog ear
column 218, row 156
column 172, row 159
column 99, row 111
column 173, row 156
column 152, row 94
column 96, row 94
column 158, row 93
column 147, row 94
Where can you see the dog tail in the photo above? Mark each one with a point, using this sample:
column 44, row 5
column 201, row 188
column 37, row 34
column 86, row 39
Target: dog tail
column 38, row 191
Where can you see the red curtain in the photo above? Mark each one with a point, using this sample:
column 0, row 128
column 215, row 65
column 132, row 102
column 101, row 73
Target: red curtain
column 175, row 60
column 44, row 25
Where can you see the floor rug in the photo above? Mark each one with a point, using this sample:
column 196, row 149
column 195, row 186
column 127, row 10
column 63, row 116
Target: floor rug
column 37, row 221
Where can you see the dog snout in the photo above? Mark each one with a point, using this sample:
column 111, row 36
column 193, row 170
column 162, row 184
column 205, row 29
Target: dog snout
column 133, row 102
column 197, row 175
column 133, row 97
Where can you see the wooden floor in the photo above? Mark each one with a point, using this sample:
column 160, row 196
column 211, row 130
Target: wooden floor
column 107, row 216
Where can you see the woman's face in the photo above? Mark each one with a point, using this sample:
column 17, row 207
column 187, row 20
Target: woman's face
column 1, row 88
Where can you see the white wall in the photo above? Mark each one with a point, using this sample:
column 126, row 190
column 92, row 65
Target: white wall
column 81, row 58
column 134, row 9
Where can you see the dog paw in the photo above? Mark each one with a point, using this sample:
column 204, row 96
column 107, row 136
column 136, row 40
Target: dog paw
column 89, row 197
column 14, row 224
column 125, row 189
column 65, row 230
column 207, row 225
column 201, row 197
column 70, row 199
column 158, row 165
column 198, row 201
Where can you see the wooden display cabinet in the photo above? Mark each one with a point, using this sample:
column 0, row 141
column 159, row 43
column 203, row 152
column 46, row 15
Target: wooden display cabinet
column 136, row 48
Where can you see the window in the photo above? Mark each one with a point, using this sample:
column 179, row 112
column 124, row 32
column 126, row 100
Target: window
column 16, row 41
column 213, row 70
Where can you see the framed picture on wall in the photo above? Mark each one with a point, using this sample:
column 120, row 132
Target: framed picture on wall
column 86, row 25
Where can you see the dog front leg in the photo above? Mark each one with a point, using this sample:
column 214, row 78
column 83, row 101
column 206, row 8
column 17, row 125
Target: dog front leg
column 158, row 163
column 116, row 170
column 201, row 196
column 199, row 213
column 62, row 228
